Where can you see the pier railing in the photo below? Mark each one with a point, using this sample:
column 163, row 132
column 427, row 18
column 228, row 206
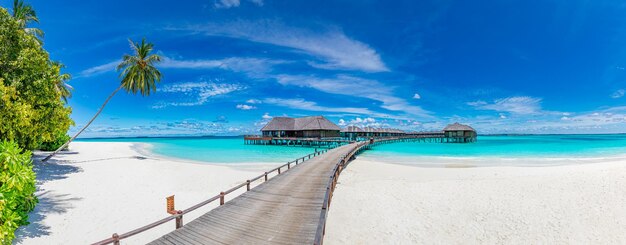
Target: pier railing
column 330, row 188
column 178, row 216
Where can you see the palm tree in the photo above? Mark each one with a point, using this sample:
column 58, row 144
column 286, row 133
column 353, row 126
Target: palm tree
column 25, row 14
column 60, row 85
column 139, row 75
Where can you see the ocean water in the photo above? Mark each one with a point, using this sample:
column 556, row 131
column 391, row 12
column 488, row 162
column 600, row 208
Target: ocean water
column 230, row 150
column 223, row 150
column 523, row 146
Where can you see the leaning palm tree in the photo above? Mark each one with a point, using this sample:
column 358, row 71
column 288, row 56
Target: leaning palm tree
column 139, row 75
column 25, row 14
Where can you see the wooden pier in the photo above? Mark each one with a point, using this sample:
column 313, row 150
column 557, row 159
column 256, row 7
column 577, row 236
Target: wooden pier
column 283, row 210
column 290, row 206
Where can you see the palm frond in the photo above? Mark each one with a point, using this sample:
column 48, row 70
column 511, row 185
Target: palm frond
column 138, row 71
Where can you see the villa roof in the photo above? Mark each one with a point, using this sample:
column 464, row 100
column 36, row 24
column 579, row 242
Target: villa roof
column 301, row 123
column 458, row 127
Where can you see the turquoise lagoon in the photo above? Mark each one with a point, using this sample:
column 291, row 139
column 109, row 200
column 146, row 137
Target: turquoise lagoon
column 222, row 150
column 233, row 150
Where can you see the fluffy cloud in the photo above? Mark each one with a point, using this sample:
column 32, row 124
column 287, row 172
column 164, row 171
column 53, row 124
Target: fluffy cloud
column 618, row 94
column 267, row 116
column 199, row 91
column 337, row 50
column 518, row 105
column 346, row 85
column 253, row 101
column 245, row 107
column 301, row 104
column 417, row 96
column 363, row 122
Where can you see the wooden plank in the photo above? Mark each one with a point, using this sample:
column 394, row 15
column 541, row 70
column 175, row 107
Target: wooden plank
column 284, row 210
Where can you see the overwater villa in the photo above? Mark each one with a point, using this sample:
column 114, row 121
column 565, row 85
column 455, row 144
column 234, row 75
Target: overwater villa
column 319, row 131
column 356, row 133
column 303, row 127
column 460, row 133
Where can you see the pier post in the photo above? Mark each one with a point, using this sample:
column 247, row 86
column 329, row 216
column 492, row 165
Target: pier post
column 247, row 185
column 179, row 219
column 221, row 198
column 116, row 239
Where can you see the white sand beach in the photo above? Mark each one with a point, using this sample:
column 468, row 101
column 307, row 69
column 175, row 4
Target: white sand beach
column 111, row 187
column 384, row 203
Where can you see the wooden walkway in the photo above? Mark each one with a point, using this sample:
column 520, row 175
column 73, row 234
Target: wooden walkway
column 283, row 210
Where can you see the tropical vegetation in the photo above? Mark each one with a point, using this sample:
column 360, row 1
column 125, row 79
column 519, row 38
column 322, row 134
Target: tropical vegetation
column 139, row 75
column 33, row 112
column 17, row 188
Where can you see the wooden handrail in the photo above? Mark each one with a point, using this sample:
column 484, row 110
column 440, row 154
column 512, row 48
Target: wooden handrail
column 330, row 188
column 115, row 238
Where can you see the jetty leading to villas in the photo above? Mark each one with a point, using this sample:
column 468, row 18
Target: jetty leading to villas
column 291, row 204
column 320, row 132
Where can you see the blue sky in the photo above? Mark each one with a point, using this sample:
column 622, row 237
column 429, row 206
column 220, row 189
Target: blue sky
column 230, row 65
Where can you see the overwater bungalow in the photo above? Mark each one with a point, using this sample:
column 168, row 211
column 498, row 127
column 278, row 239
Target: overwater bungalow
column 319, row 131
column 302, row 127
column 353, row 133
column 459, row 133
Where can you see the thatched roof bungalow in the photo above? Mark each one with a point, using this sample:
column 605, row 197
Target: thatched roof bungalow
column 352, row 132
column 460, row 133
column 307, row 127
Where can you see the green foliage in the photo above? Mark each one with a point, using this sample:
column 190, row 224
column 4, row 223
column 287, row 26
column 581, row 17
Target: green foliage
column 139, row 72
column 31, row 107
column 17, row 188
column 55, row 144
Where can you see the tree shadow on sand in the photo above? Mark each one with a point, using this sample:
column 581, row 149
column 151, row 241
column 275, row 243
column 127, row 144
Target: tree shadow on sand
column 49, row 201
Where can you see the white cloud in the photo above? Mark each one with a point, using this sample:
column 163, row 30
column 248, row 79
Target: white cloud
column 302, row 104
column 237, row 64
column 517, row 105
column 252, row 66
column 199, row 91
column 245, row 107
column 366, row 122
column 618, row 94
column 234, row 3
column 100, row 69
column 347, row 85
column 337, row 50
column 267, row 116
column 227, row 3
column 253, row 101
column 417, row 96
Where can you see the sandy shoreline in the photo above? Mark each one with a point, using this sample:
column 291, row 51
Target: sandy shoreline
column 111, row 187
column 115, row 187
column 382, row 203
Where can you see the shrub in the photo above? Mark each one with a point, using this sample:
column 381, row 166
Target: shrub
column 31, row 108
column 17, row 189
column 55, row 144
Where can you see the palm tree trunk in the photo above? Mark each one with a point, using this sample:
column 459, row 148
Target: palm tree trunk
column 85, row 127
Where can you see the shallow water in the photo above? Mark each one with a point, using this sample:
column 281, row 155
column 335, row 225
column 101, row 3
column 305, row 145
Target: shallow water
column 226, row 150
column 231, row 150
column 514, row 146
